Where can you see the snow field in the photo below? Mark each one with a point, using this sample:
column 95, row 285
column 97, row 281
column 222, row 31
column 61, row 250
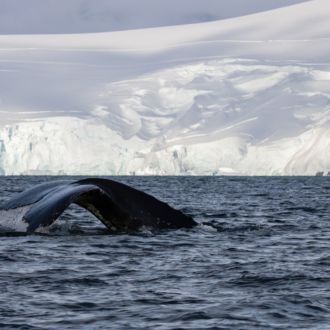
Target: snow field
column 247, row 95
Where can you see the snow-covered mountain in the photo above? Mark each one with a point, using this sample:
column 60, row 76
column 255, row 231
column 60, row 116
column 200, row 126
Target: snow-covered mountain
column 244, row 95
column 88, row 16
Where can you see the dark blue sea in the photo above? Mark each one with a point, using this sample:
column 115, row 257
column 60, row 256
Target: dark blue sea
column 261, row 260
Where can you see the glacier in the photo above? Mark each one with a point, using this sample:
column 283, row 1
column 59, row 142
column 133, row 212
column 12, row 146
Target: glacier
column 247, row 95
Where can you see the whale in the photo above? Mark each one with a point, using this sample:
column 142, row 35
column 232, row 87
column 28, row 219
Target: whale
column 118, row 206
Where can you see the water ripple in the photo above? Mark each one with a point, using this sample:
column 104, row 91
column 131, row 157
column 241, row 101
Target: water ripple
column 260, row 258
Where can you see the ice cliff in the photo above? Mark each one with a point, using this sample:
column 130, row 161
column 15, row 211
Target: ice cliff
column 211, row 118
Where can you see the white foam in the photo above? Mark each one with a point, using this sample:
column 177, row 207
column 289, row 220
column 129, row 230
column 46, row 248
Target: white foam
column 146, row 230
column 58, row 227
column 206, row 228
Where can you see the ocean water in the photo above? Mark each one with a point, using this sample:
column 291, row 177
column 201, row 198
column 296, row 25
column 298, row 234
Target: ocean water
column 260, row 260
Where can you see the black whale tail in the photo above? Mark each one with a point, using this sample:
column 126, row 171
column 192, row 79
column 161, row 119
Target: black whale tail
column 117, row 206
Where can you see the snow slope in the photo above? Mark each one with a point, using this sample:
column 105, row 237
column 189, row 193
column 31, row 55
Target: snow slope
column 246, row 95
column 87, row 16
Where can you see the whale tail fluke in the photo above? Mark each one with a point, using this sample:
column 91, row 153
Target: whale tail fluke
column 116, row 205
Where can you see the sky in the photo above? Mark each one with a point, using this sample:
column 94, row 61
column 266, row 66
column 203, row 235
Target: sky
column 86, row 16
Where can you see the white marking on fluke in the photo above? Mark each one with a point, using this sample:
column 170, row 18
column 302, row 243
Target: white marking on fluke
column 12, row 220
